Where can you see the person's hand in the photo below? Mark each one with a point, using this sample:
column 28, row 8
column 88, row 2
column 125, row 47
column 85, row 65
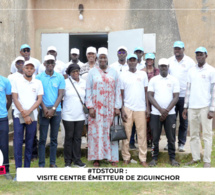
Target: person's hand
column 184, row 114
column 25, row 113
column 124, row 116
column 164, row 112
column 46, row 111
column 50, row 113
column 162, row 118
column 210, row 114
column 28, row 120
column 92, row 113
column 148, row 112
column 116, row 112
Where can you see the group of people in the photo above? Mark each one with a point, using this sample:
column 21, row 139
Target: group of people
column 146, row 98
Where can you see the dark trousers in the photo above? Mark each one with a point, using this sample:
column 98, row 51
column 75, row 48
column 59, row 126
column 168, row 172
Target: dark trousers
column 72, row 143
column 182, row 131
column 44, row 125
column 4, row 141
column 18, row 141
column 169, row 126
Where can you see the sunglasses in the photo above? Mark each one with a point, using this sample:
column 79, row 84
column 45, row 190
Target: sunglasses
column 121, row 52
column 26, row 50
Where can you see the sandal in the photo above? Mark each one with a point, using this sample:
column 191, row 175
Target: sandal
column 96, row 163
column 114, row 164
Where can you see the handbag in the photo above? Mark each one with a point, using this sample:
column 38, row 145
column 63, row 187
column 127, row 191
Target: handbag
column 85, row 109
column 117, row 132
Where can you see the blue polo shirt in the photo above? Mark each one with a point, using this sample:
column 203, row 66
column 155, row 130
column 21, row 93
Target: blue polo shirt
column 5, row 89
column 51, row 85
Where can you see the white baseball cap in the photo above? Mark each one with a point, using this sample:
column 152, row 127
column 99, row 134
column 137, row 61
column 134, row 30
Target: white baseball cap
column 122, row 47
column 49, row 57
column 19, row 58
column 102, row 50
column 163, row 61
column 91, row 50
column 75, row 51
column 51, row 48
column 29, row 62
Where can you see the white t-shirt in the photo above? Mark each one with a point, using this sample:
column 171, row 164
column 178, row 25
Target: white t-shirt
column 72, row 107
column 134, row 85
column 201, row 80
column 180, row 71
column 13, row 78
column 59, row 67
column 119, row 67
column 27, row 94
column 13, row 68
column 163, row 88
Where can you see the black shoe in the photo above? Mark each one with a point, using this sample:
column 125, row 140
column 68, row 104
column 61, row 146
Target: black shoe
column 79, row 164
column 53, row 166
column 67, row 164
column 132, row 146
column 8, row 176
column 174, row 163
column 152, row 163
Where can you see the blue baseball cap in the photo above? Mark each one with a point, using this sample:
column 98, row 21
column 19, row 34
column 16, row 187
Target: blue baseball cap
column 139, row 48
column 201, row 49
column 150, row 56
column 132, row 56
column 24, row 46
column 179, row 44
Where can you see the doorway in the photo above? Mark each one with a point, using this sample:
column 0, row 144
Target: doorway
column 83, row 41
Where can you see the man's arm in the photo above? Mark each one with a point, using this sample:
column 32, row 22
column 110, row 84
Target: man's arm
column 147, row 103
column 212, row 102
column 124, row 115
column 9, row 101
column 186, row 101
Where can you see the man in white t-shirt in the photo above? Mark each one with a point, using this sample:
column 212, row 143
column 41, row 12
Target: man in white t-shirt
column 25, row 51
column 163, row 93
column 134, row 85
column 59, row 65
column 200, row 105
column 27, row 95
column 179, row 65
column 139, row 51
column 120, row 65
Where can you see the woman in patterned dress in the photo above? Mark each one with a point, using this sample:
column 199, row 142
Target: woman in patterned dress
column 103, row 99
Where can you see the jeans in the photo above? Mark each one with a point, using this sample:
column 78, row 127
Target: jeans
column 169, row 127
column 182, row 131
column 44, row 125
column 18, row 141
column 72, row 144
column 4, row 141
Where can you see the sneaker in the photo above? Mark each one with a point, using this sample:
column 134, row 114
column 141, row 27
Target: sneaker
column 207, row 165
column 8, row 176
column 14, row 179
column 152, row 163
column 67, row 165
column 192, row 162
column 132, row 146
column 181, row 148
column 79, row 164
column 53, row 166
column 174, row 163
column 166, row 147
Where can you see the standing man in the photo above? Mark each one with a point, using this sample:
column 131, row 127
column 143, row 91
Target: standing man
column 120, row 65
column 134, row 85
column 199, row 100
column 5, row 103
column 139, row 51
column 50, row 109
column 163, row 93
column 91, row 57
column 59, row 67
column 25, row 51
column 27, row 95
column 179, row 65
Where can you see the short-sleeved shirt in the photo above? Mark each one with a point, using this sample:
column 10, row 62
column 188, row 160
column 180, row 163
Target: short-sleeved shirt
column 13, row 78
column 163, row 88
column 72, row 106
column 200, row 80
column 180, row 71
column 51, row 85
column 134, row 85
column 5, row 89
column 59, row 67
column 28, row 92
column 13, row 68
column 119, row 67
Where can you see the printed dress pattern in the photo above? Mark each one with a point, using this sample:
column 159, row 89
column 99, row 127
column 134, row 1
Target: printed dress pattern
column 103, row 94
